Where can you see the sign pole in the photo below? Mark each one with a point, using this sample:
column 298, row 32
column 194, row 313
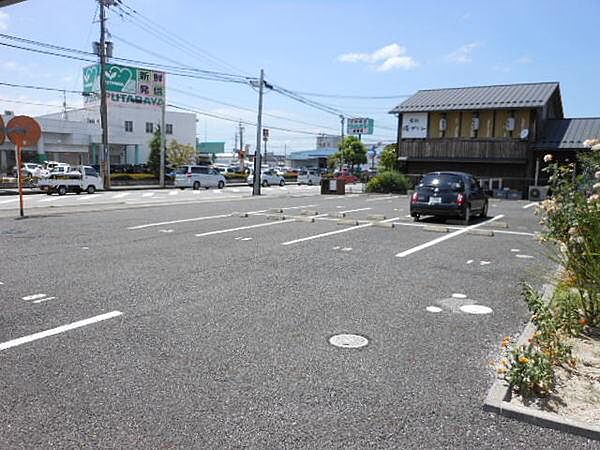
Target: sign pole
column 20, row 178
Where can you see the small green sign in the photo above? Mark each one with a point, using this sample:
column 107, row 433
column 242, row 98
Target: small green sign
column 360, row 125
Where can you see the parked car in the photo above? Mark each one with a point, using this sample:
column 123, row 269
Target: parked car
column 267, row 178
column 449, row 194
column 196, row 177
column 30, row 170
column 346, row 176
column 309, row 177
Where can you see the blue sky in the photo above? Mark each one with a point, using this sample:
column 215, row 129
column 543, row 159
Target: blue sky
column 346, row 47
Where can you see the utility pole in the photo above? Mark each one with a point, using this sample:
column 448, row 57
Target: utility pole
column 342, row 126
column 163, row 135
column 241, row 146
column 103, row 105
column 257, row 162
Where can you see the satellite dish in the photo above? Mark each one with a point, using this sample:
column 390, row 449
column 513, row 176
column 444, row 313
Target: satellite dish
column 524, row 133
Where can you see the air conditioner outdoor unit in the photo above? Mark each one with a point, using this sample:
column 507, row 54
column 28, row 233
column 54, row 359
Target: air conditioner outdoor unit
column 443, row 124
column 538, row 193
column 475, row 123
column 510, row 124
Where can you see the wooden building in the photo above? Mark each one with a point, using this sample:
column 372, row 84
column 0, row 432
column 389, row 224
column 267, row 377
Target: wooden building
column 489, row 131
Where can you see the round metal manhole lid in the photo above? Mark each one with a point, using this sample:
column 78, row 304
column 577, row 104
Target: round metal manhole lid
column 348, row 340
column 476, row 309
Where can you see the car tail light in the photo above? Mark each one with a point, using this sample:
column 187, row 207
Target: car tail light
column 414, row 197
column 460, row 199
column 189, row 175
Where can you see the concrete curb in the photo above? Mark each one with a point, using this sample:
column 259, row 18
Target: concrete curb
column 347, row 222
column 435, row 229
column 479, row 232
column 499, row 396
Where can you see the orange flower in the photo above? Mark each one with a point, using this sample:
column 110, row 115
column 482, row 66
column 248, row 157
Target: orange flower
column 583, row 322
column 523, row 359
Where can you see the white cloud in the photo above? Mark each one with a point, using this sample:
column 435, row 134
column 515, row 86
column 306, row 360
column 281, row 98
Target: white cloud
column 391, row 56
column 462, row 54
column 525, row 60
column 4, row 21
column 466, row 16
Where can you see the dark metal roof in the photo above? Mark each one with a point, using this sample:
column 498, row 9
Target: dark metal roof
column 568, row 133
column 527, row 95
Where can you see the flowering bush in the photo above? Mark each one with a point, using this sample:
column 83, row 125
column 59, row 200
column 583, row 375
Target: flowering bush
column 572, row 220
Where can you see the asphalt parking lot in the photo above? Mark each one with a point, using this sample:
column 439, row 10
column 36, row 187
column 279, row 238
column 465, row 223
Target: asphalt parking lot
column 191, row 325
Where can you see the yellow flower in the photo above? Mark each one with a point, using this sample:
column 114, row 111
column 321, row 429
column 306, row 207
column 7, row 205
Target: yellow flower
column 523, row 359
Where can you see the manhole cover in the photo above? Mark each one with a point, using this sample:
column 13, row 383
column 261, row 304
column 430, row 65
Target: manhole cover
column 348, row 340
column 476, row 309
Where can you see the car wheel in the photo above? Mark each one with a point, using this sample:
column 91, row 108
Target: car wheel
column 282, row 183
column 416, row 217
column 221, row 184
column 91, row 189
column 265, row 183
column 196, row 185
column 484, row 211
column 78, row 191
column 182, row 188
column 310, row 182
column 467, row 215
column 62, row 190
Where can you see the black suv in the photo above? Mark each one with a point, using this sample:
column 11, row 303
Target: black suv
column 449, row 194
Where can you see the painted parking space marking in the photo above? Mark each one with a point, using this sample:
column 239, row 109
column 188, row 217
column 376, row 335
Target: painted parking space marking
column 382, row 198
column 194, row 219
column 347, row 249
column 45, row 299
column 484, row 263
column 433, row 309
column 476, row 309
column 459, row 296
column 530, row 205
column 470, row 261
column 445, row 238
column 10, row 200
column 348, row 340
column 174, row 193
column 49, row 199
column 121, row 195
column 58, row 330
column 33, row 297
column 169, row 230
column 524, row 256
column 330, row 233
column 450, row 227
column 354, row 210
column 515, row 250
column 229, row 230
column 148, row 194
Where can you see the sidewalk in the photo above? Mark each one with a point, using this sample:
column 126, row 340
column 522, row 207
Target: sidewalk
column 137, row 187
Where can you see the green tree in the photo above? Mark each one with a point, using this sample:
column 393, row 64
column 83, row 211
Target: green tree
column 389, row 157
column 154, row 158
column 180, row 154
column 352, row 151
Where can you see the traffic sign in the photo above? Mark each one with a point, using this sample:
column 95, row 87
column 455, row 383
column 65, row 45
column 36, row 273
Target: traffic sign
column 23, row 131
column 360, row 125
column 2, row 132
column 265, row 132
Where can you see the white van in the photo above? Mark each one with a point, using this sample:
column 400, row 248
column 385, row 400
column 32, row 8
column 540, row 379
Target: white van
column 309, row 177
column 196, row 177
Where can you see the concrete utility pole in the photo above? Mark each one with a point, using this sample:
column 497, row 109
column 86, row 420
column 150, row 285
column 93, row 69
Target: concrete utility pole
column 103, row 105
column 241, row 146
column 342, row 118
column 163, row 136
column 257, row 162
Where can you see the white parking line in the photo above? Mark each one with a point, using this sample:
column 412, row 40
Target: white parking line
column 330, row 233
column 229, row 230
column 174, row 193
column 148, row 194
column 530, row 205
column 9, row 200
column 44, row 299
column 354, row 210
column 382, row 198
column 195, row 219
column 58, row 330
column 121, row 195
column 48, row 199
column 445, row 238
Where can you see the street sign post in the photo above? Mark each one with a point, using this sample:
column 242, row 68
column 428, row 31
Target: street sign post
column 21, row 131
column 360, row 125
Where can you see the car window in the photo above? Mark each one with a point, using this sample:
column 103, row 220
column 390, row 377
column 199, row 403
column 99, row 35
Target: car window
column 213, row 172
column 90, row 172
column 474, row 185
column 302, row 172
column 444, row 181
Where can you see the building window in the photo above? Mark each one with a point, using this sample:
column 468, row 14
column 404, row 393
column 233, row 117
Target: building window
column 169, row 128
column 129, row 126
column 149, row 127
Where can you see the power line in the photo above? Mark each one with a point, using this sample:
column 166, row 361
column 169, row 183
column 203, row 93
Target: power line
column 41, row 88
column 357, row 97
column 173, row 36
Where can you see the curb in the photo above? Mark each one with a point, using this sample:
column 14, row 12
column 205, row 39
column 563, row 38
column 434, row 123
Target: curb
column 499, row 395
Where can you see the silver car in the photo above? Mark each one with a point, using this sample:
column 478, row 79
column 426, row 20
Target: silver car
column 268, row 178
column 309, row 177
column 196, row 177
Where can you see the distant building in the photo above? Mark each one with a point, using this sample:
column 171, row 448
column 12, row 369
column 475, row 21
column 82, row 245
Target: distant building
column 311, row 159
column 491, row 131
column 328, row 140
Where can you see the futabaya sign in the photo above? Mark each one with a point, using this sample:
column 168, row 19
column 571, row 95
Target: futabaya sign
column 125, row 84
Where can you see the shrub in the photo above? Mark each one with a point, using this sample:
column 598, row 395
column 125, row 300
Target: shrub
column 530, row 372
column 131, row 176
column 389, row 182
